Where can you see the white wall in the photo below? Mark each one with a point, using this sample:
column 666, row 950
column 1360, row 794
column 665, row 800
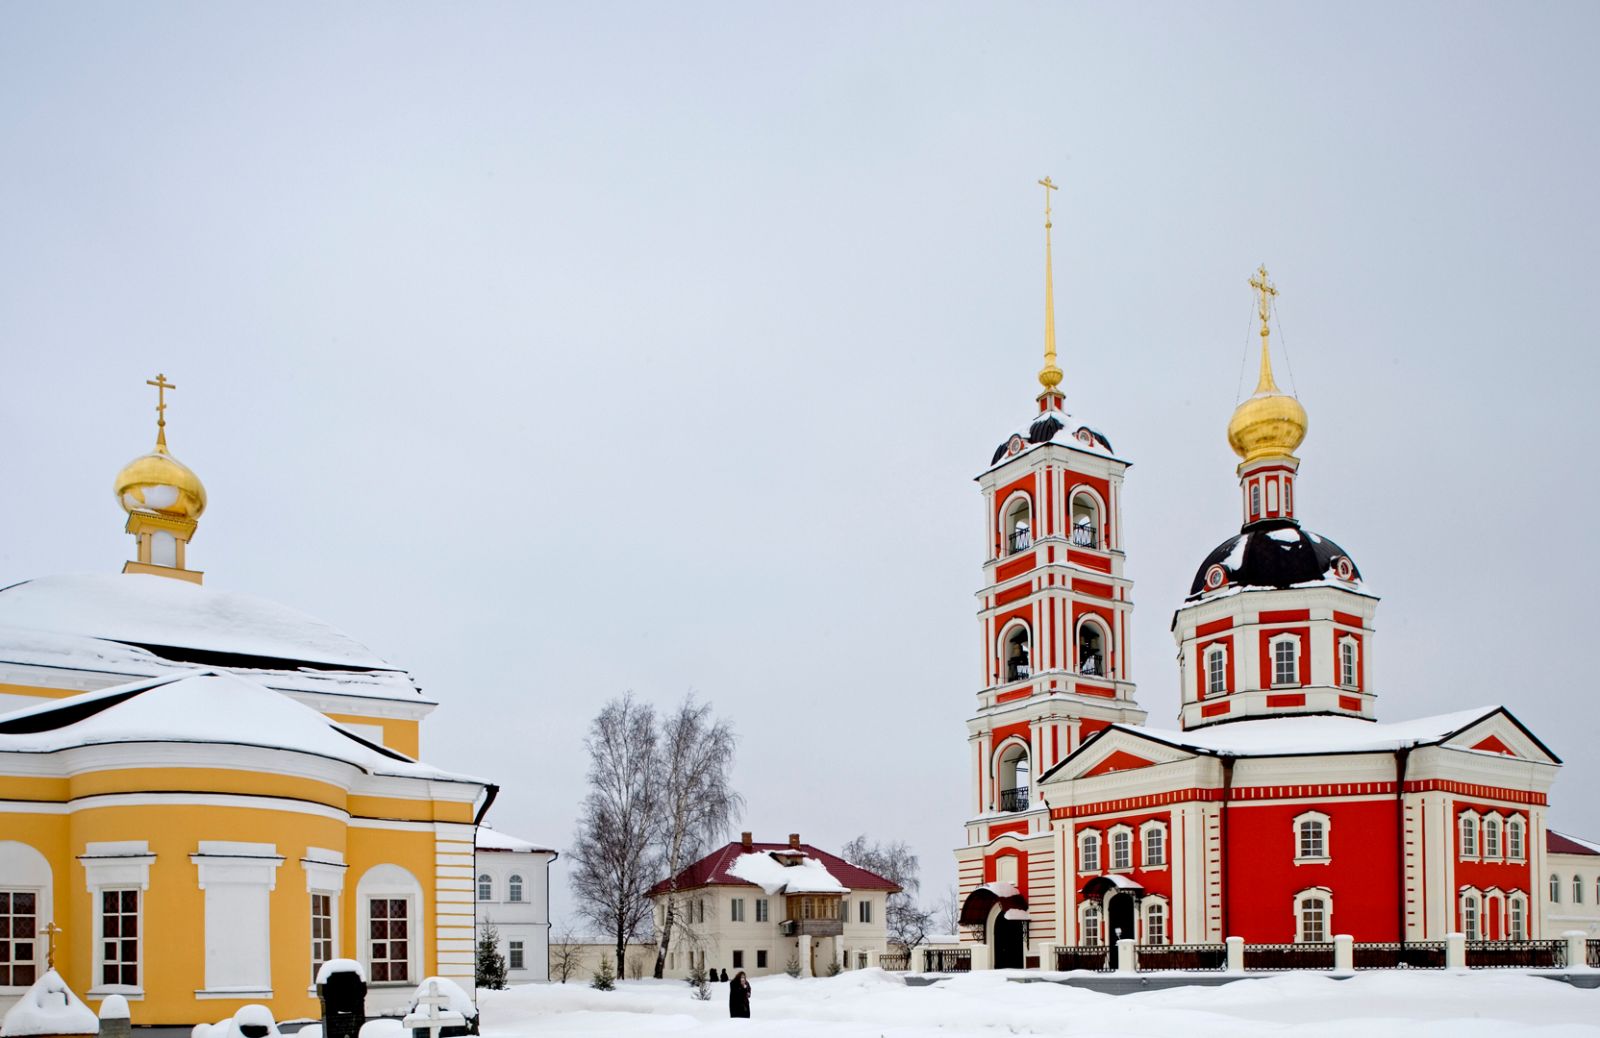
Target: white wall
column 526, row 920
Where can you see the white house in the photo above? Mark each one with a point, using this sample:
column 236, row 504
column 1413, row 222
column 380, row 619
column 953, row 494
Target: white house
column 513, row 888
column 1572, row 900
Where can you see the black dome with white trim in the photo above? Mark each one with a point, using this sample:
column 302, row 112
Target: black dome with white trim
column 1273, row 553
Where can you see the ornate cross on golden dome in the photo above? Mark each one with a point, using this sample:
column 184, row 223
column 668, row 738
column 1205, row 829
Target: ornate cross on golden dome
column 1050, row 374
column 162, row 385
column 1264, row 292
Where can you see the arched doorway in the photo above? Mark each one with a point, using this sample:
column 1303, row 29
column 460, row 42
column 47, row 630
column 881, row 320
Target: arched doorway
column 1119, row 920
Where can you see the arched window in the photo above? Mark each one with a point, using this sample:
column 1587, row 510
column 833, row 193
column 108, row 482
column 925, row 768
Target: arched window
column 1089, row 851
column 1519, row 918
column 1577, row 890
column 1491, row 838
column 1514, row 838
column 1013, row 775
column 1018, row 649
column 1155, row 923
column 1469, row 917
column 1091, row 922
column 1469, row 836
column 1285, row 660
column 1154, row 838
column 1085, row 521
column 1255, row 500
column 389, row 920
column 514, row 888
column 1347, row 662
column 485, row 888
column 1091, row 649
column 1018, row 525
column 1555, row 889
column 1313, row 911
column 1311, row 836
column 1121, row 849
column 26, row 887
column 1216, row 670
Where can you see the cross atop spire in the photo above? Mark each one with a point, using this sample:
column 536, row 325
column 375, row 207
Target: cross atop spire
column 162, row 385
column 1050, row 374
column 1265, row 290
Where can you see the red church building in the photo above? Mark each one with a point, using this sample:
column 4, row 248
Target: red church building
column 1282, row 809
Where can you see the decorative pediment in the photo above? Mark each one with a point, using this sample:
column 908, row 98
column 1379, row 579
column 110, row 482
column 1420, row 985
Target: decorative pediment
column 1118, row 760
column 1501, row 733
column 1115, row 749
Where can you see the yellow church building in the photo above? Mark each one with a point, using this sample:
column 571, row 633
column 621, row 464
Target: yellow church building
column 205, row 795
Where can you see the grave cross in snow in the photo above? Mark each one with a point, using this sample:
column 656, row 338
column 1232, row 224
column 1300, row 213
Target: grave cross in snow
column 430, row 1015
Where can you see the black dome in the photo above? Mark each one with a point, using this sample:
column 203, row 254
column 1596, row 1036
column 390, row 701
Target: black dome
column 1048, row 427
column 1273, row 553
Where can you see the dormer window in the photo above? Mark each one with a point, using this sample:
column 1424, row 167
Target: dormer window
column 1285, row 660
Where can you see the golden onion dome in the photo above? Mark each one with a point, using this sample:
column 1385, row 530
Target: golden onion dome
column 157, row 482
column 1271, row 424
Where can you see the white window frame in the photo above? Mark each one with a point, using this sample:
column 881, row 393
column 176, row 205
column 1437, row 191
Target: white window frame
column 1322, row 894
column 1101, row 629
column 1292, row 640
column 1471, row 905
column 515, row 888
column 736, row 910
column 393, row 882
column 1555, row 888
column 1300, row 820
column 24, row 870
column 325, row 871
column 1349, row 671
column 515, row 950
column 1495, row 849
column 1517, row 916
column 1577, row 889
column 1216, row 663
column 1125, row 831
column 1157, row 906
column 1470, row 835
column 864, row 910
column 1160, row 829
column 1089, row 846
column 1008, row 529
column 1255, row 500
column 116, row 865
column 761, row 910
column 1089, row 933
column 485, row 887
column 1516, row 850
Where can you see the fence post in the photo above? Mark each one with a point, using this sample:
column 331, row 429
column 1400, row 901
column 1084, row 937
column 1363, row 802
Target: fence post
column 1455, row 951
column 1344, row 953
column 1236, row 955
column 1125, row 958
column 1576, row 949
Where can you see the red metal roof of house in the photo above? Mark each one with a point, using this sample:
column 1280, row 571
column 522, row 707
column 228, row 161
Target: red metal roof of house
column 1556, row 843
column 712, row 870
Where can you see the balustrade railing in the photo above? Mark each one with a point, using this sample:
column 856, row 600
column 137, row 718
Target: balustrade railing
column 1489, row 955
column 895, row 963
column 1096, row 957
column 1014, row 799
column 949, row 960
column 1086, row 537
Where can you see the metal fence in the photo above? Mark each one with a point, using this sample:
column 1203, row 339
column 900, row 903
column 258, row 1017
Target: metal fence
column 949, row 960
column 1482, row 955
column 1152, row 957
column 1288, row 956
column 1592, row 953
column 1416, row 955
column 895, row 963
column 1095, row 957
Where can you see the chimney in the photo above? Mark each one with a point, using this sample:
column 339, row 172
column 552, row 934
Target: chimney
column 745, row 842
column 794, row 840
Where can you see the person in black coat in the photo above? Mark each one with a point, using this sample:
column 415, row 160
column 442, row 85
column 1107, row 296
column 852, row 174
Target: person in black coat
column 724, row 977
column 739, row 996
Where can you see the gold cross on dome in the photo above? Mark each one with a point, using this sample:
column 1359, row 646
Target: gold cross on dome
column 162, row 385
column 50, row 945
column 1266, row 291
column 1048, row 186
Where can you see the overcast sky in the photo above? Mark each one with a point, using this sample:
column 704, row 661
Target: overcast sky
column 555, row 351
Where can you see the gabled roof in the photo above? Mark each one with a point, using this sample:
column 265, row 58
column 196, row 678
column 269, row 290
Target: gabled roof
column 1560, row 843
column 200, row 706
column 713, row 869
column 1308, row 735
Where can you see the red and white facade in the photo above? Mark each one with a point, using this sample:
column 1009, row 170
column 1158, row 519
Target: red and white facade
column 1281, row 810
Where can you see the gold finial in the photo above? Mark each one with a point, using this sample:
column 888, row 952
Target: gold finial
column 1050, row 374
column 50, row 945
column 1264, row 291
column 162, row 385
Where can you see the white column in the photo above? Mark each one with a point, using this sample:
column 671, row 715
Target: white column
column 1235, row 954
column 1344, row 953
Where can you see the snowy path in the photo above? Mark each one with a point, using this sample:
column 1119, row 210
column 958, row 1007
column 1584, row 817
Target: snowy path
column 871, row 1004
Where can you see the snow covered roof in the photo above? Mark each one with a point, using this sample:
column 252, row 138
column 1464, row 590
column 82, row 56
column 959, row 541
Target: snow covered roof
column 1561, row 843
column 1056, row 427
column 493, row 840
column 133, row 624
column 200, row 706
column 716, row 868
column 805, row 876
column 1309, row 734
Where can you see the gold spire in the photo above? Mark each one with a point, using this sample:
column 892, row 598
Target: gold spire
column 1271, row 424
column 164, row 499
column 1050, row 374
column 162, row 385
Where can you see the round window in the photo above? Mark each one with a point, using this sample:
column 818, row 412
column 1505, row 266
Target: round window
column 1216, row 576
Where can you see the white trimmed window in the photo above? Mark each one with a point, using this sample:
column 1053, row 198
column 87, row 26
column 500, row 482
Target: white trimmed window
column 1491, row 837
column 1091, row 922
column 514, row 956
column 485, row 888
column 1514, row 847
column 736, row 910
column 1089, row 851
column 761, row 909
column 864, row 911
column 1471, row 922
column 1555, row 889
column 1577, row 889
column 1313, row 916
column 118, row 873
column 1469, row 835
column 1311, row 832
column 25, row 909
column 1255, row 500
column 324, row 871
column 1347, row 662
column 1216, row 670
column 321, row 931
column 1285, row 660
column 514, row 888
column 1155, row 922
column 1121, row 848
column 1518, row 910
column 1153, row 838
column 388, row 918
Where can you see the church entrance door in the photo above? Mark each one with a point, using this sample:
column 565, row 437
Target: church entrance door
column 1119, row 917
column 1008, row 938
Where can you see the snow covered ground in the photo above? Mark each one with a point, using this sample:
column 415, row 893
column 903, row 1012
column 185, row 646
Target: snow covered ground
column 873, row 1004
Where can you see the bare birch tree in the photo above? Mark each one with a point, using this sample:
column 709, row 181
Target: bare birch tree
column 696, row 802
column 612, row 850
column 907, row 923
column 566, row 956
